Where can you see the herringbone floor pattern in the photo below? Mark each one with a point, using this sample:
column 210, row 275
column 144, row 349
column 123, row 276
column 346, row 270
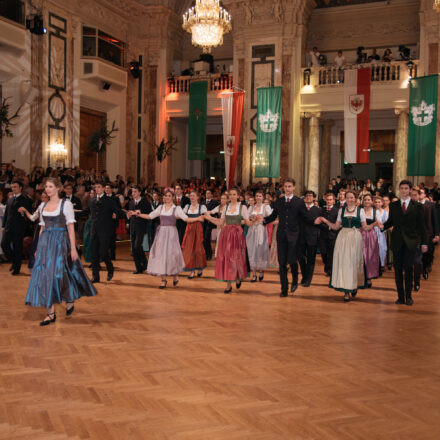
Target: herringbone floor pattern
column 192, row 363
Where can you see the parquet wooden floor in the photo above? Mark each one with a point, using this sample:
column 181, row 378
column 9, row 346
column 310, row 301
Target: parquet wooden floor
column 192, row 363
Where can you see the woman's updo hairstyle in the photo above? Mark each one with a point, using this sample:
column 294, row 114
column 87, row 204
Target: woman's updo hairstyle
column 57, row 183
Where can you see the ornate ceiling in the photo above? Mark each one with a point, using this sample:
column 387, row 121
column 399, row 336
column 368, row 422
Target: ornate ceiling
column 331, row 3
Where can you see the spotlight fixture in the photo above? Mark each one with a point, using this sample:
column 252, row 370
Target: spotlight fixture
column 106, row 86
column 35, row 24
column 135, row 69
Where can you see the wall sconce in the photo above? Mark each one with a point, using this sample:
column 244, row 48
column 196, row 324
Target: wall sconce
column 58, row 153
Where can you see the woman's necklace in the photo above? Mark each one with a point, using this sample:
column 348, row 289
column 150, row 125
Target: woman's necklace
column 351, row 212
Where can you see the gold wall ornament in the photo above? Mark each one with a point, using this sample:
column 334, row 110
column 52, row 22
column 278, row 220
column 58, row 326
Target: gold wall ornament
column 436, row 5
column 207, row 22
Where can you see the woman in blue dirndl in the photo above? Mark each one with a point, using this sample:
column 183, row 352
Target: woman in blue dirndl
column 58, row 274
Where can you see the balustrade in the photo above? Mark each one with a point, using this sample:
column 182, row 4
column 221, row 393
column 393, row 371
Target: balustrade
column 380, row 72
column 216, row 82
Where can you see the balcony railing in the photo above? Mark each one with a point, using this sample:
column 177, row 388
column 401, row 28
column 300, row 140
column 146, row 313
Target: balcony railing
column 216, row 82
column 380, row 73
column 12, row 10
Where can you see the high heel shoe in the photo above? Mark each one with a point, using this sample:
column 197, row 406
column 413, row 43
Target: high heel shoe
column 254, row 279
column 48, row 321
column 191, row 276
column 228, row 290
column 346, row 297
column 199, row 274
column 238, row 284
column 163, row 285
column 70, row 311
column 261, row 277
column 175, row 283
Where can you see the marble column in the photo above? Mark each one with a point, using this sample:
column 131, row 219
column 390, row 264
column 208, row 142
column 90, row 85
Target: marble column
column 401, row 151
column 313, row 156
column 324, row 170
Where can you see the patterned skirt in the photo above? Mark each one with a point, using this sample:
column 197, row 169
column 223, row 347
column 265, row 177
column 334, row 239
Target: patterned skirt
column 192, row 247
column 231, row 264
column 371, row 253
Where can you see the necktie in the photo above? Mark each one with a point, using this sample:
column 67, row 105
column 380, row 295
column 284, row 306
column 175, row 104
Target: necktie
column 308, row 208
column 404, row 207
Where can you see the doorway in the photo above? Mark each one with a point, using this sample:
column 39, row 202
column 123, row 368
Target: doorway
column 90, row 122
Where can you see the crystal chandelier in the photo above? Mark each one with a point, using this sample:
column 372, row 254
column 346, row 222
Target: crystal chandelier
column 207, row 22
column 436, row 5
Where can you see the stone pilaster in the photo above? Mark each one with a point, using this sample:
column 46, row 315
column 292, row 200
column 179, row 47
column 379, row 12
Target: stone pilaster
column 401, row 151
column 325, row 162
column 313, row 156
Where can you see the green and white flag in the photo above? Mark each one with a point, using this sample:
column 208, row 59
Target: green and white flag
column 268, row 147
column 198, row 111
column 422, row 125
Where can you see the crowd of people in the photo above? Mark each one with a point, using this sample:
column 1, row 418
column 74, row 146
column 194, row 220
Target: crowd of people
column 360, row 229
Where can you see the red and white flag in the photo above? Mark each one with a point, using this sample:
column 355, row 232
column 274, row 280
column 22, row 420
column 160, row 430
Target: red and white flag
column 357, row 115
column 232, row 111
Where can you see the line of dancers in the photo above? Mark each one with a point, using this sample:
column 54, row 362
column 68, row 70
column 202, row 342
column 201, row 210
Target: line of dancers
column 353, row 238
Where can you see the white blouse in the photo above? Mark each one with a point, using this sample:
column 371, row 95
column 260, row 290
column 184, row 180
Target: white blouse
column 160, row 210
column 67, row 211
column 238, row 209
column 187, row 208
column 352, row 214
column 370, row 216
column 265, row 211
column 37, row 214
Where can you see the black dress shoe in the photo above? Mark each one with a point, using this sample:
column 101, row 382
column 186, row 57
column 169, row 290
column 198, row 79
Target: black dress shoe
column 416, row 287
column 138, row 271
column 283, row 294
column 306, row 284
column 11, row 268
column 425, row 274
column 175, row 283
column 48, row 321
column 200, row 273
column 70, row 311
column 163, row 285
column 16, row 272
column 399, row 301
column 228, row 290
column 293, row 288
column 354, row 293
column 302, row 282
column 95, row 280
column 409, row 302
column 238, row 284
column 110, row 275
column 261, row 277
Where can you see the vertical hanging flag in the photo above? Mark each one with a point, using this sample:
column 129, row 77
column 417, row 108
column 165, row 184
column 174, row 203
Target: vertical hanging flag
column 268, row 147
column 198, row 108
column 357, row 115
column 423, row 95
column 232, row 111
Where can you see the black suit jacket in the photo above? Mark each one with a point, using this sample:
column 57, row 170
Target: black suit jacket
column 309, row 231
column 431, row 221
column 331, row 216
column 76, row 202
column 101, row 212
column 184, row 201
column 13, row 220
column 409, row 228
column 138, row 225
column 289, row 216
column 211, row 205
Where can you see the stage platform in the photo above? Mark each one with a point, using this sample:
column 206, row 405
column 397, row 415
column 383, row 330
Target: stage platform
column 190, row 362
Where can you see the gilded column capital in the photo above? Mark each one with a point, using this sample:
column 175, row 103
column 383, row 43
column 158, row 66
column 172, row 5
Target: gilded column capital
column 309, row 115
column 399, row 111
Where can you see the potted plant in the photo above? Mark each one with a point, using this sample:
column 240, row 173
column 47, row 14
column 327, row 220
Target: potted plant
column 101, row 139
column 164, row 149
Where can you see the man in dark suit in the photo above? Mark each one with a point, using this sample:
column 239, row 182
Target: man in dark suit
column 15, row 226
column 308, row 240
column 210, row 204
column 182, row 201
column 76, row 202
column 155, row 203
column 102, row 210
column 432, row 231
column 289, row 210
column 109, row 193
column 327, row 237
column 138, row 228
column 406, row 217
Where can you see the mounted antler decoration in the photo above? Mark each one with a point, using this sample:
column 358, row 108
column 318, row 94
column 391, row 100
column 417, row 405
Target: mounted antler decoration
column 165, row 148
column 6, row 121
column 100, row 140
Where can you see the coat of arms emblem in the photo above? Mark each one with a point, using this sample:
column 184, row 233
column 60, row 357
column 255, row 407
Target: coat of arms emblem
column 423, row 114
column 230, row 142
column 269, row 121
column 356, row 103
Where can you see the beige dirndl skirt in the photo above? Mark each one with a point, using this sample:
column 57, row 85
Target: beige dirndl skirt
column 348, row 261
